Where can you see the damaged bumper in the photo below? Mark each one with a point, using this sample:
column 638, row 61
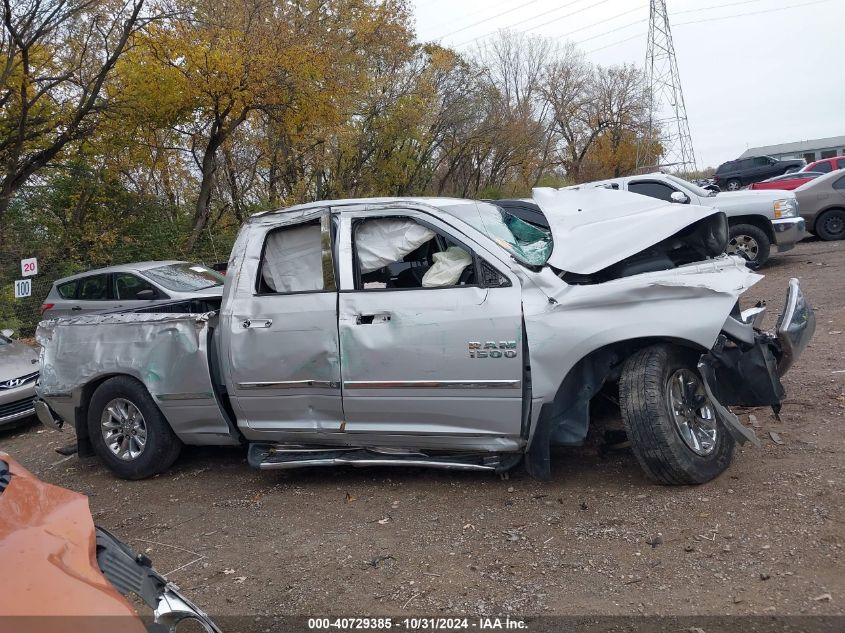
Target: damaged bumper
column 745, row 365
column 788, row 232
column 132, row 573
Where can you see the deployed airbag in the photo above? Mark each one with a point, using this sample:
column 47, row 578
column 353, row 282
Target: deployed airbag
column 387, row 240
column 293, row 259
column 447, row 268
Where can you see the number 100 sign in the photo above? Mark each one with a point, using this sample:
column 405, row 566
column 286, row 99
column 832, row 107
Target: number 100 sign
column 23, row 288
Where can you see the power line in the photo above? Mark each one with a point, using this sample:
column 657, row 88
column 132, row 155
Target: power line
column 539, row 15
column 712, row 19
column 492, row 17
column 742, row 15
column 466, row 15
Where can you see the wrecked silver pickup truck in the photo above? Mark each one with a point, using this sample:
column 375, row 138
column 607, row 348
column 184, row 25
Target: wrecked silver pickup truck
column 437, row 332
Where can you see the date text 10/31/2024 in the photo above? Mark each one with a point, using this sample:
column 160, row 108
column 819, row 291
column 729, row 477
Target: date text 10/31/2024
column 417, row 624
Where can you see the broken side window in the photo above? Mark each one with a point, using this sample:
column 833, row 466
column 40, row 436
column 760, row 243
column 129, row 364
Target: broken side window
column 395, row 253
column 292, row 260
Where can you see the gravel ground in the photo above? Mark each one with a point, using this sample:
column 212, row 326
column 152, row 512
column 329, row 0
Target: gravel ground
column 764, row 538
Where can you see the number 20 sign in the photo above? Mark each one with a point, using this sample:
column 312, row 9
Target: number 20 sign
column 29, row 267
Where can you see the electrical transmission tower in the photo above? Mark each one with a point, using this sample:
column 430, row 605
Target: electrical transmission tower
column 667, row 113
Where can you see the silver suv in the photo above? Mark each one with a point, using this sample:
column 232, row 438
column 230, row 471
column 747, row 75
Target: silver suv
column 130, row 286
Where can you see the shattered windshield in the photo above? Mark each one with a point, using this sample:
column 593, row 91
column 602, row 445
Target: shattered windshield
column 527, row 243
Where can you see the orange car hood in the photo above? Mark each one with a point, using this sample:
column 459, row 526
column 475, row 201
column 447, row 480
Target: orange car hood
column 48, row 551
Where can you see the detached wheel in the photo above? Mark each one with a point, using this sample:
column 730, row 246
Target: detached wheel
column 128, row 432
column 750, row 242
column 830, row 225
column 734, row 184
column 673, row 428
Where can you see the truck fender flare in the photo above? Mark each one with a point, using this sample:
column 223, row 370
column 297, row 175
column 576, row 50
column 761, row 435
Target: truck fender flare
column 566, row 419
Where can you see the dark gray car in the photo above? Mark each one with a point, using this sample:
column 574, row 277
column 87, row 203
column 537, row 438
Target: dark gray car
column 131, row 286
column 18, row 373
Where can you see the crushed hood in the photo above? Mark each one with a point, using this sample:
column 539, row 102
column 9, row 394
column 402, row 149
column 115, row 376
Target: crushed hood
column 596, row 228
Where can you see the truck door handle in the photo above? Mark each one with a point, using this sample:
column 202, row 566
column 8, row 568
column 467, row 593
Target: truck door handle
column 370, row 319
column 257, row 323
column 76, row 308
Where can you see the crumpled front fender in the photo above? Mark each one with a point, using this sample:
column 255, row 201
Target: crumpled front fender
column 745, row 365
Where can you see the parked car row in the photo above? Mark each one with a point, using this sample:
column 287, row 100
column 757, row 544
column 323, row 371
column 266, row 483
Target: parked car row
column 736, row 174
column 757, row 220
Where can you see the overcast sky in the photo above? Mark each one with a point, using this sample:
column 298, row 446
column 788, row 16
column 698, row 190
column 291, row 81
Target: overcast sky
column 754, row 72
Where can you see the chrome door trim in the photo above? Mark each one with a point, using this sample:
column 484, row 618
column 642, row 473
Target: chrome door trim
column 199, row 395
column 290, row 384
column 432, row 384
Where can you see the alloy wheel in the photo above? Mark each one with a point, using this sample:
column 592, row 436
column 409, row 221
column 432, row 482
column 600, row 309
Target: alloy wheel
column 691, row 412
column 124, row 429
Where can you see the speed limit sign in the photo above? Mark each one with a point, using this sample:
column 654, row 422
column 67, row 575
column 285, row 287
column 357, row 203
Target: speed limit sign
column 23, row 288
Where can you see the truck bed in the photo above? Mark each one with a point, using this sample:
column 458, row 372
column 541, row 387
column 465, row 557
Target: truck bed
column 169, row 348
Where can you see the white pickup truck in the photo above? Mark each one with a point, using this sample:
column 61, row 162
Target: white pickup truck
column 437, row 332
column 757, row 219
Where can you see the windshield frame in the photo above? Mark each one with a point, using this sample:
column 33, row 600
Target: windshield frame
column 701, row 192
column 167, row 282
column 470, row 213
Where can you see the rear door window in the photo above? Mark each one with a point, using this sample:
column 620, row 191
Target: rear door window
column 824, row 167
column 652, row 189
column 127, row 286
column 295, row 259
column 840, row 164
column 68, row 290
column 93, row 288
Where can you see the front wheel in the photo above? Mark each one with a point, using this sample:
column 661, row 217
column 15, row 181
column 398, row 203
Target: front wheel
column 674, row 432
column 127, row 430
column 750, row 242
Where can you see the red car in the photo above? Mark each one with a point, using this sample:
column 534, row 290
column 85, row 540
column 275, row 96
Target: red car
column 787, row 182
column 826, row 165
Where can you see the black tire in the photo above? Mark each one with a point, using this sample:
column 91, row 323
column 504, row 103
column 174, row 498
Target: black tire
column 646, row 412
column 830, row 225
column 733, row 185
column 161, row 447
column 750, row 242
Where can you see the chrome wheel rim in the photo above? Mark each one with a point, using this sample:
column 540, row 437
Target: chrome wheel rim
column 124, row 429
column 691, row 411
column 744, row 245
column 733, row 186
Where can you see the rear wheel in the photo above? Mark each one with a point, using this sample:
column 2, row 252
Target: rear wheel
column 734, row 184
column 750, row 242
column 128, row 431
column 830, row 225
column 674, row 432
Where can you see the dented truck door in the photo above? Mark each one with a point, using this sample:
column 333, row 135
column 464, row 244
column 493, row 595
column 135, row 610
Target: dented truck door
column 430, row 331
column 280, row 329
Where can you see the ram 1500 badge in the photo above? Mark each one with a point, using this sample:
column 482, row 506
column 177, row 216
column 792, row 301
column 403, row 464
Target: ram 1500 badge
column 438, row 332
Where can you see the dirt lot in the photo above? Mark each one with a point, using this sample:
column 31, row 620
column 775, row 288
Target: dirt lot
column 766, row 537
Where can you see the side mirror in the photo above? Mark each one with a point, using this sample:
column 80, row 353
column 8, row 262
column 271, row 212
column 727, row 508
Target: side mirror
column 7, row 333
column 146, row 294
column 680, row 197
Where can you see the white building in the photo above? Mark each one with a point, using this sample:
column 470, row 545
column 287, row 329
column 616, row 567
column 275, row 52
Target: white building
column 815, row 149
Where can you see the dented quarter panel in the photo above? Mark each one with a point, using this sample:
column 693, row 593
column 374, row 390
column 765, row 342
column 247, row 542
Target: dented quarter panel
column 166, row 352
